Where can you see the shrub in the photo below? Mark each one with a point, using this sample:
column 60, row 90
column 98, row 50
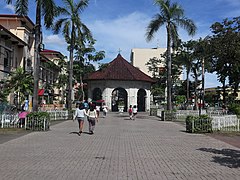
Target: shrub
column 198, row 124
column 235, row 108
column 170, row 115
column 38, row 121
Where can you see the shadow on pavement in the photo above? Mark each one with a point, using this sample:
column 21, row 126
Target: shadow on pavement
column 227, row 157
column 77, row 133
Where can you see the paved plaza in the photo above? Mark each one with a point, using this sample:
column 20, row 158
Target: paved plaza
column 120, row 149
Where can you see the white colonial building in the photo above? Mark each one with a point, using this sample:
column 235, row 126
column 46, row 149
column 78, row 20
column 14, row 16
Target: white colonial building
column 120, row 83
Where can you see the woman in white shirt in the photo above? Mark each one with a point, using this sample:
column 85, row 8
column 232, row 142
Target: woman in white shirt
column 80, row 114
column 92, row 118
column 105, row 110
column 134, row 111
column 98, row 110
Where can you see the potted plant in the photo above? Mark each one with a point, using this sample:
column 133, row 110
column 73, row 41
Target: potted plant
column 121, row 106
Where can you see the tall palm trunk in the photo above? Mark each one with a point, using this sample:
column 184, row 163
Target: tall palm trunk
column 224, row 90
column 169, row 70
column 203, row 83
column 83, row 94
column 188, row 91
column 36, row 55
column 71, row 69
column 195, row 89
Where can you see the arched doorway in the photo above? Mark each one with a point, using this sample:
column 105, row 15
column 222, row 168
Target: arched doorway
column 141, row 101
column 97, row 94
column 119, row 97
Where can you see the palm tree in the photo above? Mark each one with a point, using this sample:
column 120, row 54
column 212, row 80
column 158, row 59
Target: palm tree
column 21, row 83
column 83, row 56
column 171, row 15
column 74, row 31
column 45, row 8
column 62, row 77
column 185, row 57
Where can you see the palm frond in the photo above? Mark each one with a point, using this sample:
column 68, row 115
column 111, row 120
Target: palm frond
column 154, row 26
column 8, row 1
column 21, row 7
column 62, row 11
column 174, row 35
column 48, row 12
column 176, row 10
column 81, row 5
column 58, row 24
column 164, row 7
column 66, row 31
column 188, row 25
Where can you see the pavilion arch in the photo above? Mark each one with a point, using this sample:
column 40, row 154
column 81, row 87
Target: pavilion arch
column 119, row 95
column 96, row 94
column 141, row 100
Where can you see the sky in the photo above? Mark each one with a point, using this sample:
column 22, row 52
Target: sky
column 120, row 25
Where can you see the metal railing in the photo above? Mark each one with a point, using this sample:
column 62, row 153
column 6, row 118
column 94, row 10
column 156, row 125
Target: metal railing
column 225, row 123
column 13, row 121
column 9, row 120
column 58, row 115
column 37, row 124
column 220, row 121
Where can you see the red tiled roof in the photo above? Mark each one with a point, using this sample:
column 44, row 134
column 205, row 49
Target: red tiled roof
column 49, row 51
column 120, row 69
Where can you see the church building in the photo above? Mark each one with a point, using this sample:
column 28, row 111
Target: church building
column 120, row 84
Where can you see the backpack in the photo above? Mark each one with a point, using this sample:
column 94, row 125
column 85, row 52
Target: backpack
column 130, row 110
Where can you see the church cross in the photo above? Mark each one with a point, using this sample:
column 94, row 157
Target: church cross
column 119, row 51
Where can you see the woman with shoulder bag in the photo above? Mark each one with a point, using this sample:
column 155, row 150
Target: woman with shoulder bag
column 92, row 118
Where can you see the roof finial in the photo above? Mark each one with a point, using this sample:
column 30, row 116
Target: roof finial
column 119, row 51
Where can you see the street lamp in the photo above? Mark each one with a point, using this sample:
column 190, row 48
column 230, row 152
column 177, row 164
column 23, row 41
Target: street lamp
column 200, row 95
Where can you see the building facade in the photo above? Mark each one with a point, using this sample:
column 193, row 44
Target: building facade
column 16, row 43
column 17, row 50
column 140, row 56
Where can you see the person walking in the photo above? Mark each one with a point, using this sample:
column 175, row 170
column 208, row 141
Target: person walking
column 98, row 111
column 92, row 118
column 134, row 110
column 130, row 112
column 80, row 115
column 105, row 110
column 224, row 109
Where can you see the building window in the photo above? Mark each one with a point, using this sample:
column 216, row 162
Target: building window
column 6, row 58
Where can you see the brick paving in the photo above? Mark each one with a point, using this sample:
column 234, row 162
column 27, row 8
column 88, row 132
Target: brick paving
column 120, row 149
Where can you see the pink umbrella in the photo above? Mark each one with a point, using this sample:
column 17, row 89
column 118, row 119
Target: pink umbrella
column 23, row 114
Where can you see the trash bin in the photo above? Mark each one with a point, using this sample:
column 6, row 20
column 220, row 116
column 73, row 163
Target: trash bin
column 153, row 111
column 162, row 115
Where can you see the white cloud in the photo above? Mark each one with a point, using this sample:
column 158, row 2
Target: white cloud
column 10, row 7
column 125, row 33
column 55, row 42
column 53, row 39
column 211, row 80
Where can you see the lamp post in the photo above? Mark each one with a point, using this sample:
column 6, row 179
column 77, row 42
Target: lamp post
column 200, row 95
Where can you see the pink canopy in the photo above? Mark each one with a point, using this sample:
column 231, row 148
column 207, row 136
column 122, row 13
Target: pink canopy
column 23, row 114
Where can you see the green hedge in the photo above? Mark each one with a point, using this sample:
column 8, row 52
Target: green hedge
column 38, row 121
column 170, row 115
column 198, row 124
column 235, row 108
